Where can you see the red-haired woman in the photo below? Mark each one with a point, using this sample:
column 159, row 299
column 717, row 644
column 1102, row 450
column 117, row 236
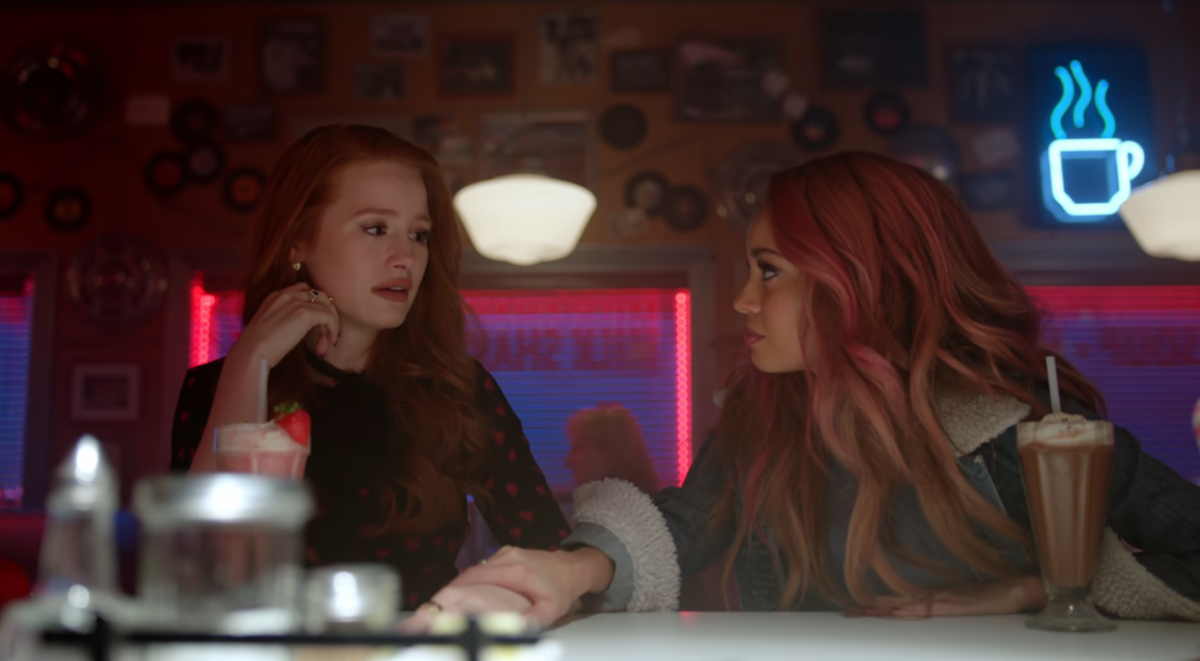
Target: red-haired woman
column 351, row 299
column 866, row 459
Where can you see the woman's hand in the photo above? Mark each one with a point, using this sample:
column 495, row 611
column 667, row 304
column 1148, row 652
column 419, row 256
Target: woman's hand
column 467, row 600
column 1000, row 597
column 283, row 321
column 552, row 581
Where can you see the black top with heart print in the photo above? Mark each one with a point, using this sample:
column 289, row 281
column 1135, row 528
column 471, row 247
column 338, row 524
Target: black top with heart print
column 350, row 425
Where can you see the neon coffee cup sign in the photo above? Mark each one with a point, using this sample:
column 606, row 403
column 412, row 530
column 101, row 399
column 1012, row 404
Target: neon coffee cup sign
column 1121, row 161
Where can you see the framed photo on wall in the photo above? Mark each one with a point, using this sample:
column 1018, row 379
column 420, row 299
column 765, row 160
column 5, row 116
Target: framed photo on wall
column 249, row 122
column 553, row 142
column 568, row 47
column 988, row 191
column 200, row 58
column 292, row 55
column 399, row 34
column 722, row 79
column 299, row 124
column 104, row 392
column 378, row 80
column 873, row 49
column 476, row 65
column 982, row 85
column 639, row 71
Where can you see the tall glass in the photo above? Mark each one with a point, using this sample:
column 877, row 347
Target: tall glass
column 259, row 449
column 1067, row 462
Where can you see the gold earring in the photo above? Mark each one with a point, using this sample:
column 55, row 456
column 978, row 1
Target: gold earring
column 295, row 266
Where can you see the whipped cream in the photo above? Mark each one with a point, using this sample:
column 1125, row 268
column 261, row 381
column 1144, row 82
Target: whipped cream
column 266, row 437
column 1065, row 429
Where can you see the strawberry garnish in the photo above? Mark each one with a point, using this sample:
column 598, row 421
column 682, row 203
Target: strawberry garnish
column 295, row 421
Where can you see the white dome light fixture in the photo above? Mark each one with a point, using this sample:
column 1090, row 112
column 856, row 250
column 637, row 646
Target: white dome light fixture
column 1164, row 216
column 525, row 219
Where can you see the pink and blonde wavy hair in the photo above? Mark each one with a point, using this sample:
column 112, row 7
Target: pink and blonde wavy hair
column 904, row 300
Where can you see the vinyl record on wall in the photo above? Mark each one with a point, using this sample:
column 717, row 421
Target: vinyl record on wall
column 205, row 161
column 12, row 195
column 647, row 190
column 743, row 176
column 50, row 91
column 68, row 209
column 686, row 208
column 930, row 148
column 623, row 126
column 194, row 121
column 244, row 188
column 166, row 173
column 886, row 113
column 816, row 130
column 117, row 280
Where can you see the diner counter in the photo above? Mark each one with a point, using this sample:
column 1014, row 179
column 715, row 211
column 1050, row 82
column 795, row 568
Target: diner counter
column 742, row 637
column 818, row 636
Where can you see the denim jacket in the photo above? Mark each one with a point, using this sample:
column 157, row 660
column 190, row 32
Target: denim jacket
column 653, row 542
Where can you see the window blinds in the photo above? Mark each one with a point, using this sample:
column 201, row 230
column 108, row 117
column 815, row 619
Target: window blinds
column 16, row 312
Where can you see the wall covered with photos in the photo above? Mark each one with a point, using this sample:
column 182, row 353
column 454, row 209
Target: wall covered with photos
column 670, row 111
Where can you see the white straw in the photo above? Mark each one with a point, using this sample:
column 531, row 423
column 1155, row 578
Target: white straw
column 263, row 371
column 1052, row 376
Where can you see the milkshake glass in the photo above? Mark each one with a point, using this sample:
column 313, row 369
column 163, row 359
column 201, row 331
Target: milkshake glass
column 1066, row 462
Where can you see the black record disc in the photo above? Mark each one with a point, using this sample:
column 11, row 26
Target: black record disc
column 886, row 113
column 12, row 195
column 647, row 190
column 194, row 121
column 816, row 130
column 50, row 91
column 205, row 161
column 68, row 209
column 166, row 173
column 686, row 208
column 244, row 188
column 623, row 126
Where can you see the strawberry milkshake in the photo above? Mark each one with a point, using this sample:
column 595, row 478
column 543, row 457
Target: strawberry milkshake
column 279, row 448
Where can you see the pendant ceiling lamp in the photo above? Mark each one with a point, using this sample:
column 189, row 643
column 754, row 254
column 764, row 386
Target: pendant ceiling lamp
column 528, row 217
column 525, row 218
column 1164, row 215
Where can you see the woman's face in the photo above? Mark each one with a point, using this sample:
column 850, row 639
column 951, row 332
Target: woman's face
column 372, row 244
column 771, row 301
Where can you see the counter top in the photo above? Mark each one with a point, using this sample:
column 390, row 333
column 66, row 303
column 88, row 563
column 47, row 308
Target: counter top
column 813, row 636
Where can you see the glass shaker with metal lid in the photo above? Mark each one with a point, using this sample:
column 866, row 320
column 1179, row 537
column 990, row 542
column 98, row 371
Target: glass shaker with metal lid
column 77, row 575
column 221, row 553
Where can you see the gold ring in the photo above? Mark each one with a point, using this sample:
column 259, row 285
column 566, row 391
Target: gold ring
column 315, row 295
column 430, row 606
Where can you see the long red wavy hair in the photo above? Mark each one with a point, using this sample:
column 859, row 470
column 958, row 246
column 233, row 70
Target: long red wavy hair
column 904, row 300
column 423, row 365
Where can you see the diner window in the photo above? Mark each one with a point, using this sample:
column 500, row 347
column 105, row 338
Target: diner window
column 16, row 322
column 557, row 352
column 216, row 321
column 554, row 353
column 1141, row 347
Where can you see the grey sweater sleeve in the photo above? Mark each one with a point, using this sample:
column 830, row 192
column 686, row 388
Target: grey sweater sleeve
column 652, row 542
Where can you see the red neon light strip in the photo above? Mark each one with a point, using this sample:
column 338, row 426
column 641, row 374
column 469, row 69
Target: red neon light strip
column 683, row 382
column 202, row 318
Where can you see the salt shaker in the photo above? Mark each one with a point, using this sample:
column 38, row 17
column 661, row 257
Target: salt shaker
column 78, row 561
column 77, row 570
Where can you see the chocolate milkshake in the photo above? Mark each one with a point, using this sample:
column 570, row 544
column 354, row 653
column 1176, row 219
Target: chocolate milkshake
column 1067, row 461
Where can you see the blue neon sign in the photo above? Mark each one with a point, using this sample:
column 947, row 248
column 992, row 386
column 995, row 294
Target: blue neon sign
column 1093, row 138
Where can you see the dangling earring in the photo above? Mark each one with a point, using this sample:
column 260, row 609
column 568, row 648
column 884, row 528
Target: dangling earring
column 295, row 266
